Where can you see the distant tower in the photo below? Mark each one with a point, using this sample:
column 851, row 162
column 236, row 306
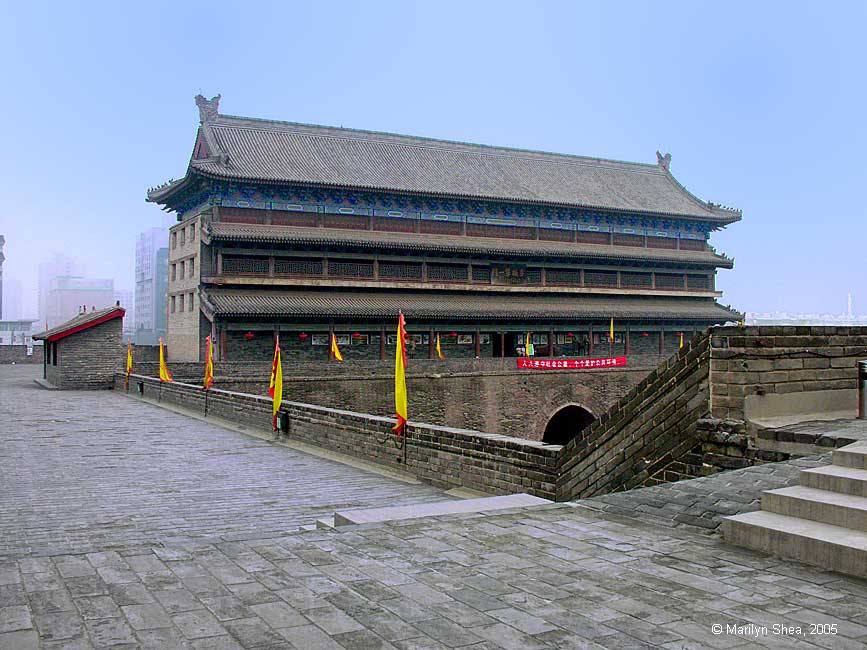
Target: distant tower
column 849, row 306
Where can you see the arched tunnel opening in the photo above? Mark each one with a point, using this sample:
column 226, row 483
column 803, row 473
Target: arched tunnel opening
column 566, row 423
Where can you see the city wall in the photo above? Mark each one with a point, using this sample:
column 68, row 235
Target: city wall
column 665, row 427
column 18, row 354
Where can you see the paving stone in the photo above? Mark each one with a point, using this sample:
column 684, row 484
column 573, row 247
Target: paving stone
column 62, row 625
column 308, row 637
column 16, row 617
column 331, row 619
column 362, row 640
column 146, row 617
column 197, row 624
column 255, row 633
column 21, row 640
column 162, row 639
column 108, row 632
column 93, row 607
column 226, row 608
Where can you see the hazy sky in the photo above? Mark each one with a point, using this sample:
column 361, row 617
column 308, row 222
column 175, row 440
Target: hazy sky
column 760, row 104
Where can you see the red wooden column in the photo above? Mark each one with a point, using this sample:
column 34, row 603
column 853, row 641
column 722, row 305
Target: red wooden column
column 550, row 343
column 502, row 345
column 626, row 352
column 430, row 345
column 382, row 344
column 224, row 344
column 478, row 342
column 590, row 343
column 661, row 341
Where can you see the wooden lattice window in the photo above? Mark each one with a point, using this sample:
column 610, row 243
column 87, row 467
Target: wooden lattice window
column 563, row 277
column 534, row 276
column 387, row 224
column 623, row 239
column 662, row 242
column 636, row 280
column 399, row 271
column 698, row 281
column 447, row 272
column 440, row 227
column 482, row 274
column 549, row 234
column 245, row 265
column 281, row 218
column 693, row 245
column 241, row 215
column 350, row 269
column 350, row 221
column 669, row 281
column 293, row 266
column 600, row 278
column 586, row 237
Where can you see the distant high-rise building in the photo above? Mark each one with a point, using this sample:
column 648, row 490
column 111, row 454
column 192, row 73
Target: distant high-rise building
column 126, row 300
column 66, row 295
column 151, row 283
column 2, row 243
column 59, row 265
column 13, row 299
column 849, row 305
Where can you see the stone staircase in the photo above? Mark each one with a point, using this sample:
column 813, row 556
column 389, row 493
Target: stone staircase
column 822, row 521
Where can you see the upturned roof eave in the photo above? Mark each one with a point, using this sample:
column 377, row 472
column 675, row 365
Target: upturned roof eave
column 717, row 219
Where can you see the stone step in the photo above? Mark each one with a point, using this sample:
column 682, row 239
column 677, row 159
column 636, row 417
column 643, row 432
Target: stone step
column 845, row 510
column 854, row 455
column 836, row 478
column 830, row 547
column 326, row 523
column 398, row 513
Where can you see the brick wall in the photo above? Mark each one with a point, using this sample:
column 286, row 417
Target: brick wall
column 18, row 354
column 785, row 359
column 442, row 456
column 484, row 394
column 647, row 437
column 89, row 359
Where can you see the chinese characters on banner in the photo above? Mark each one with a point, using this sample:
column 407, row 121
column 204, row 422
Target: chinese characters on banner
column 529, row 363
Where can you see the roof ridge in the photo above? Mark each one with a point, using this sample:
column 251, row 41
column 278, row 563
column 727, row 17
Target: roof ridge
column 586, row 159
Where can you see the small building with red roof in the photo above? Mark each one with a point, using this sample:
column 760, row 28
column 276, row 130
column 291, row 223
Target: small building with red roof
column 85, row 352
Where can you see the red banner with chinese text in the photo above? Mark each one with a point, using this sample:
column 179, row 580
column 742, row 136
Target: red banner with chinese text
column 541, row 363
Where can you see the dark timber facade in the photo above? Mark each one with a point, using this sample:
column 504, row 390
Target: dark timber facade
column 305, row 230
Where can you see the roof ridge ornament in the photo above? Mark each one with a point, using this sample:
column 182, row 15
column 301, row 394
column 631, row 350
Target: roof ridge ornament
column 208, row 108
column 664, row 161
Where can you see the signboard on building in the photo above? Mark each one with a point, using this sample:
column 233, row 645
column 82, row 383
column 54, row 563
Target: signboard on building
column 532, row 363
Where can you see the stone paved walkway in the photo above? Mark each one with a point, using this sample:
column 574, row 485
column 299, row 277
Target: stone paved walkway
column 703, row 502
column 83, row 470
column 559, row 576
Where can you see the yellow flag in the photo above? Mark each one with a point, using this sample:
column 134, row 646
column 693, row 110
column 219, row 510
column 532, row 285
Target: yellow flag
column 400, row 408
column 275, row 384
column 209, row 363
column 440, row 354
column 165, row 374
column 335, row 351
column 529, row 350
column 680, row 345
column 611, row 330
column 128, row 360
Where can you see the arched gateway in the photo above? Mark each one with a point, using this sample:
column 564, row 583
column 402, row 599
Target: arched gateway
column 567, row 423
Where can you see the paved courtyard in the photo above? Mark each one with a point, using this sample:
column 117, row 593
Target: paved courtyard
column 128, row 526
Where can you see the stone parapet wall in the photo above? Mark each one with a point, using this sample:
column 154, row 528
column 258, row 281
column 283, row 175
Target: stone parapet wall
column 442, row 456
column 778, row 360
column 18, row 354
column 647, row 437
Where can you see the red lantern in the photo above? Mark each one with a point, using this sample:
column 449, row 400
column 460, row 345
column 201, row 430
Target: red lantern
column 303, row 336
column 453, row 334
column 570, row 335
column 249, row 336
column 645, row 334
column 356, row 335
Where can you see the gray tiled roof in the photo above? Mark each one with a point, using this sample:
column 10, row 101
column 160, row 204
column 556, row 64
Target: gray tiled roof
column 454, row 244
column 289, row 152
column 450, row 306
column 78, row 321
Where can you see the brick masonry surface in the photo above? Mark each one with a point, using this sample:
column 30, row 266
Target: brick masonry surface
column 160, row 531
column 791, row 359
column 488, row 394
column 18, row 354
column 442, row 456
column 88, row 359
